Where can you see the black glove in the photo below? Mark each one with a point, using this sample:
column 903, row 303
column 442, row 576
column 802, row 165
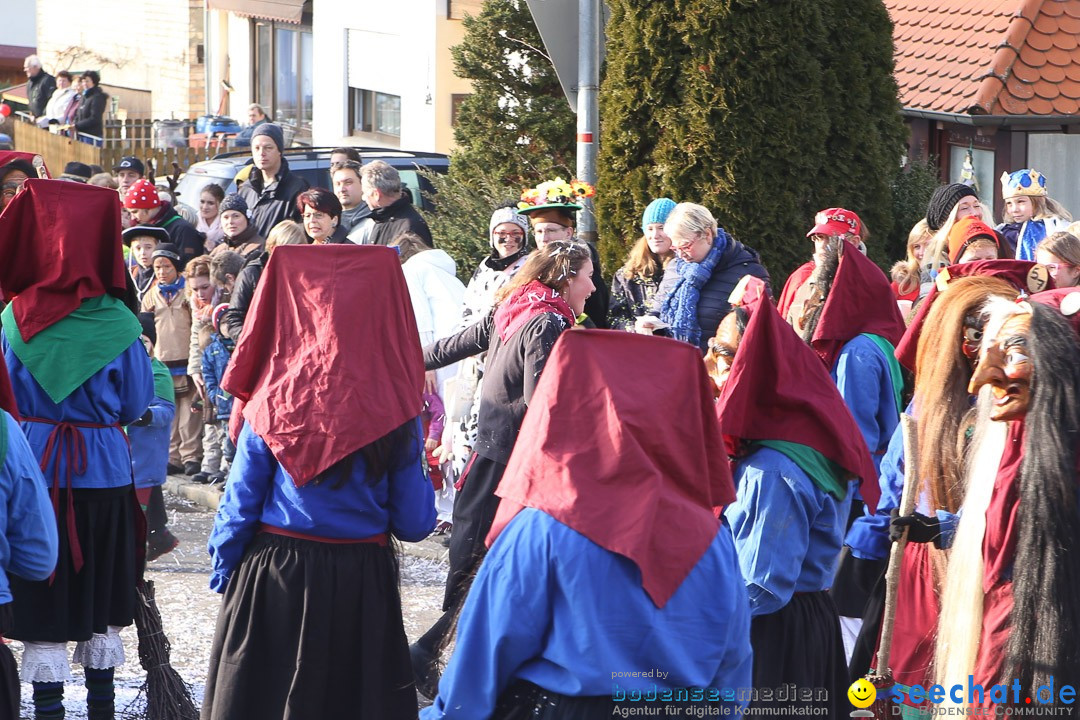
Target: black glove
column 146, row 419
column 921, row 529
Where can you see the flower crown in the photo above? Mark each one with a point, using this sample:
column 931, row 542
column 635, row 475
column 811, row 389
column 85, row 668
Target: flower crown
column 556, row 192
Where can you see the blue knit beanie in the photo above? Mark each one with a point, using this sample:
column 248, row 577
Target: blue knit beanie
column 657, row 212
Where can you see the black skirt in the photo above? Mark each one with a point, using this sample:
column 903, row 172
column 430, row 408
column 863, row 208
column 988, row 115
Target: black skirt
column 74, row 605
column 526, row 701
column 9, row 671
column 799, row 649
column 311, row 630
column 474, row 511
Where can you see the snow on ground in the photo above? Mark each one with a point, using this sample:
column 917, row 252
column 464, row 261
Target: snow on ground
column 189, row 612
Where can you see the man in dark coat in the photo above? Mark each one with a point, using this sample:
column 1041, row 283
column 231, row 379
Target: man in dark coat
column 40, row 85
column 392, row 211
column 271, row 189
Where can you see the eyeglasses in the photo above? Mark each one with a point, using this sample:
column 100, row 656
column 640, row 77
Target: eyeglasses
column 1054, row 267
column 316, row 216
column 504, row 236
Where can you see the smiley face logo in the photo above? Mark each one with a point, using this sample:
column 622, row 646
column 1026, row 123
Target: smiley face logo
column 862, row 693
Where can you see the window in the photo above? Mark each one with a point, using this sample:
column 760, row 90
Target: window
column 458, row 9
column 375, row 115
column 981, row 167
column 455, row 107
column 283, row 75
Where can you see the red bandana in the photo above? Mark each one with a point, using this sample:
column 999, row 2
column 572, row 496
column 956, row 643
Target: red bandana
column 860, row 301
column 779, row 390
column 1017, row 273
column 61, row 245
column 622, row 444
column 329, row 359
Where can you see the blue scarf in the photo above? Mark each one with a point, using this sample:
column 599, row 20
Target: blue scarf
column 169, row 291
column 679, row 308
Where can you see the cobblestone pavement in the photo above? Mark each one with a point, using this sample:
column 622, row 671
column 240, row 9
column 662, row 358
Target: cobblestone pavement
column 189, row 609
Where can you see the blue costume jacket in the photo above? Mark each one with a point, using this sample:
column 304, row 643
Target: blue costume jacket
column 28, row 535
column 552, row 607
column 116, row 395
column 788, row 532
column 260, row 491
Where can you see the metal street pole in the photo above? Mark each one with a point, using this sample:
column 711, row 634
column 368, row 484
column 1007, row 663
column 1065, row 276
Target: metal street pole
column 588, row 109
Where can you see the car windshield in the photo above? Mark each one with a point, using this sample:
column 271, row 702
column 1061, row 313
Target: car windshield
column 191, row 184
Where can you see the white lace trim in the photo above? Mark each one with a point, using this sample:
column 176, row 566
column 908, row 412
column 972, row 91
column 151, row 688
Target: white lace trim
column 101, row 651
column 45, row 662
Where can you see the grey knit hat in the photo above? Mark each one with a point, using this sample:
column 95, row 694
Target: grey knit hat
column 233, row 201
column 506, row 215
column 271, row 131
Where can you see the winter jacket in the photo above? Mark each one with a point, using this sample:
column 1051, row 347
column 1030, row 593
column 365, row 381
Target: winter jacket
column 511, row 373
column 738, row 260
column 39, row 90
column 394, row 219
column 215, row 360
column 89, row 117
column 172, row 320
column 150, row 443
column 232, row 322
column 436, row 294
column 270, row 205
column 596, row 306
column 182, row 234
column 629, row 298
column 248, row 244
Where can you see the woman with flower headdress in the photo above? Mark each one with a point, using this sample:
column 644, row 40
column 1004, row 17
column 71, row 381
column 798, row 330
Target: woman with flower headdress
column 531, row 311
column 552, row 208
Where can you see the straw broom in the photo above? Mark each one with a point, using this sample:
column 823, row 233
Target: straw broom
column 881, row 675
column 167, row 695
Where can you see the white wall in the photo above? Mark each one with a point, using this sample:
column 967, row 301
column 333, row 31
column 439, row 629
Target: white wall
column 239, row 49
column 374, row 45
column 20, row 23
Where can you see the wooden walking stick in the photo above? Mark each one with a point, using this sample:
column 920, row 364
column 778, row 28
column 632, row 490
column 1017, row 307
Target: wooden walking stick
column 881, row 675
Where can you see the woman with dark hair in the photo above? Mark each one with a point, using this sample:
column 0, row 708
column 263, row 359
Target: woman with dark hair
column 531, row 311
column 302, row 546
column 209, row 220
column 320, row 211
column 91, row 109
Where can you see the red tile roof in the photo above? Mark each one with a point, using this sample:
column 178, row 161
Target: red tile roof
column 996, row 57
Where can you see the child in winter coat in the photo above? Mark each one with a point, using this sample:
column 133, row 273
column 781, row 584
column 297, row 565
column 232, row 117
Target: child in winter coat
column 215, row 360
column 1030, row 214
column 149, row 438
column 141, row 241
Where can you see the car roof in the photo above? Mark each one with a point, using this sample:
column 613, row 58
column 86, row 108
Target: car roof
column 315, row 153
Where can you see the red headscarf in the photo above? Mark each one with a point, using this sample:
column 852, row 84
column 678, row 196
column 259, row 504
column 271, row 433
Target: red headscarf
column 779, row 390
column 61, row 245
column 860, row 301
column 1020, row 274
column 621, row 443
column 329, row 359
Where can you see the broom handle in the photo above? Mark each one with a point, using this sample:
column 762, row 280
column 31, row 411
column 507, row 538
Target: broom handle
column 896, row 552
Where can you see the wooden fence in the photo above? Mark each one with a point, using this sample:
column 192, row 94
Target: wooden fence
column 130, row 137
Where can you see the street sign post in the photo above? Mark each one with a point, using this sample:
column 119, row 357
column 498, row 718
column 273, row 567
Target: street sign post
column 576, row 49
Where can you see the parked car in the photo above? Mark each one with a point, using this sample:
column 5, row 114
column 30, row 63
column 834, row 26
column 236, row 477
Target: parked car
column 313, row 164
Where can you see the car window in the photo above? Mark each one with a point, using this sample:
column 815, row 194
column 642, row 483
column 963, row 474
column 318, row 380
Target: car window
column 191, row 184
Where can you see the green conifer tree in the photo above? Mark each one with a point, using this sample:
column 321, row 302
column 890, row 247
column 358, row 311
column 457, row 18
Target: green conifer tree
column 516, row 126
column 515, row 130
column 729, row 103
